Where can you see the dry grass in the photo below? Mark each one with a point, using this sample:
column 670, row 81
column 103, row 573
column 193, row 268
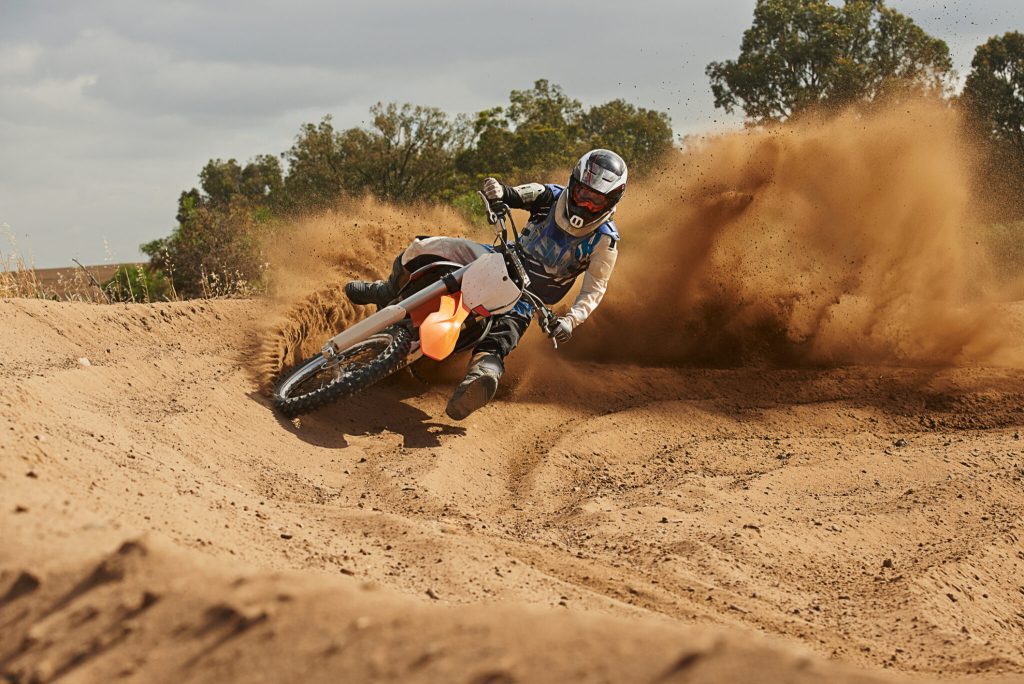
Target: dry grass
column 19, row 278
column 18, row 275
column 110, row 282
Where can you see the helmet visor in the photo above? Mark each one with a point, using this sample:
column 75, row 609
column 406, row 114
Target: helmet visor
column 590, row 199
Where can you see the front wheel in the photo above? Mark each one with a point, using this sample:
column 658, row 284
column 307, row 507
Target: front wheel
column 319, row 381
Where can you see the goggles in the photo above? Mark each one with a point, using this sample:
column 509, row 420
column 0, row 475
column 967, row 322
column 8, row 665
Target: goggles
column 589, row 199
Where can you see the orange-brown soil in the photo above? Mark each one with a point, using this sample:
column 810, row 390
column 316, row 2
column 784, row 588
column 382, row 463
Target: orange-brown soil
column 160, row 523
column 786, row 448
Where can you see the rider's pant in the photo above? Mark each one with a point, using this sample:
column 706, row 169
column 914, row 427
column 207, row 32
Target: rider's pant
column 425, row 250
column 506, row 329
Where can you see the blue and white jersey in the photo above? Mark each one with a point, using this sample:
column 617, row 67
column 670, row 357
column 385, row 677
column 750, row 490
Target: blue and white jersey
column 554, row 258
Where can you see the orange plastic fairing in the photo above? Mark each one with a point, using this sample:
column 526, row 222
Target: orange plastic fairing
column 440, row 330
column 420, row 313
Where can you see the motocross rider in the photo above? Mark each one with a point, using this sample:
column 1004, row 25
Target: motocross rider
column 570, row 233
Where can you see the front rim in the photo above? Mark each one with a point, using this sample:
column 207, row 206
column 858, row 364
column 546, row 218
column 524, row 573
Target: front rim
column 321, row 373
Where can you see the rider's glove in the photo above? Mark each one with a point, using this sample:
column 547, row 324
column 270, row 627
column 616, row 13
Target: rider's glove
column 493, row 190
column 562, row 330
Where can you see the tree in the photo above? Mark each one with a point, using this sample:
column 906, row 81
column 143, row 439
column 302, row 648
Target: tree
column 260, row 181
column 799, row 54
column 994, row 96
column 215, row 247
column 492, row 150
column 538, row 131
column 214, row 250
column 410, row 155
column 544, row 105
column 994, row 91
column 543, row 129
column 316, row 166
column 640, row 135
column 407, row 155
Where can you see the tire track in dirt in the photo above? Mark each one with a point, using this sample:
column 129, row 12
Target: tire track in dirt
column 836, row 509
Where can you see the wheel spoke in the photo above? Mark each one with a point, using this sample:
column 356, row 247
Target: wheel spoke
column 330, row 372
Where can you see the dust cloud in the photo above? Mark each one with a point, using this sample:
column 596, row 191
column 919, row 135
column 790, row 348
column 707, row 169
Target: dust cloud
column 311, row 262
column 841, row 240
column 828, row 241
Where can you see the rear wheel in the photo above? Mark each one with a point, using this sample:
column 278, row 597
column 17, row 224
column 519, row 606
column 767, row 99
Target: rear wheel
column 318, row 381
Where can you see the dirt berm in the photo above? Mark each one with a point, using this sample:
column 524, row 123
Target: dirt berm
column 159, row 523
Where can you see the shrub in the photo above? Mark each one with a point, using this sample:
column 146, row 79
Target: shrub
column 138, row 283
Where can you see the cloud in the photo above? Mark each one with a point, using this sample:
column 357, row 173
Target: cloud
column 17, row 59
column 111, row 107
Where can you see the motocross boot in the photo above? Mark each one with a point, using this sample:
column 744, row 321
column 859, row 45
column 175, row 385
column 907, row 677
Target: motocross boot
column 379, row 292
column 478, row 387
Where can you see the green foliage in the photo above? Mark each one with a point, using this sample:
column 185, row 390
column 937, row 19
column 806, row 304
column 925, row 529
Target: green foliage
column 260, row 181
column 215, row 250
column 412, row 152
column 545, row 123
column 545, row 105
column 470, row 206
column 803, row 53
column 545, row 130
column 994, row 96
column 994, row 91
column 315, row 167
column 407, row 154
column 138, row 284
column 640, row 135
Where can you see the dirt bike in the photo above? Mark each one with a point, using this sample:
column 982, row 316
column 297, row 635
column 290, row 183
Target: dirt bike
column 445, row 308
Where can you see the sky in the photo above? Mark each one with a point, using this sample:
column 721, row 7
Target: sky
column 109, row 108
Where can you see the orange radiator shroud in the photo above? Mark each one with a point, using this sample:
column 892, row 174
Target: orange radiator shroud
column 439, row 331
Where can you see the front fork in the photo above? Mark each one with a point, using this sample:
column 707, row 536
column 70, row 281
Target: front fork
column 546, row 318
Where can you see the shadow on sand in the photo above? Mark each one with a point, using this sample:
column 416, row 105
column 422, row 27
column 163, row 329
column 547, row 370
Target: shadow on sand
column 378, row 409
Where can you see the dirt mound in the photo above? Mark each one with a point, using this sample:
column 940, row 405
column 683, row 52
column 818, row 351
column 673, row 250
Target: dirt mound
column 130, row 617
column 871, row 514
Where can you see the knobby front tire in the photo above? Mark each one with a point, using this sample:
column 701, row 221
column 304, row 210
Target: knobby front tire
column 318, row 381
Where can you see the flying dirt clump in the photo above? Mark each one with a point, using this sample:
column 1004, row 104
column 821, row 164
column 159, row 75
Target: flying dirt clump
column 841, row 240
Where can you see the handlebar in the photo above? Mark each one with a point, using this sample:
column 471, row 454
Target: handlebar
column 496, row 210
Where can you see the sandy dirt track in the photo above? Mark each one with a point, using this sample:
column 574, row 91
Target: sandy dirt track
column 159, row 523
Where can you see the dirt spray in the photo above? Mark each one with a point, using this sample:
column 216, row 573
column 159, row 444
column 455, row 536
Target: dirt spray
column 840, row 240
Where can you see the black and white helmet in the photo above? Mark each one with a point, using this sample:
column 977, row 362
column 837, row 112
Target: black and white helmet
column 595, row 187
